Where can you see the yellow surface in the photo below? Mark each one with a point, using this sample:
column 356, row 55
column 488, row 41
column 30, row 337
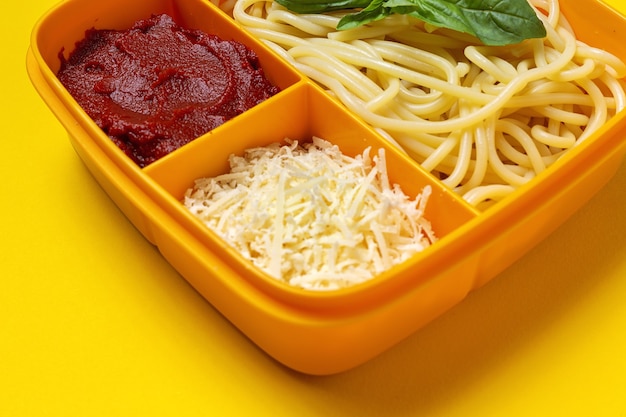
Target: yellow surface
column 94, row 322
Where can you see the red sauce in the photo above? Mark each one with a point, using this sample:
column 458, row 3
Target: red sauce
column 157, row 86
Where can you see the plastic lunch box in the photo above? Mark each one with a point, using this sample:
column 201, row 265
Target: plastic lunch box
column 318, row 332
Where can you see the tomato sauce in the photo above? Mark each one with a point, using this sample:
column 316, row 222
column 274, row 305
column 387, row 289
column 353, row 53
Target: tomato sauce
column 157, row 86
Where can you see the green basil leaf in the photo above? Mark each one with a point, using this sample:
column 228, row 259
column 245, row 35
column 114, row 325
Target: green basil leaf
column 494, row 22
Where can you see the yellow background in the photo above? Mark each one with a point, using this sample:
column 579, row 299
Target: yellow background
column 93, row 322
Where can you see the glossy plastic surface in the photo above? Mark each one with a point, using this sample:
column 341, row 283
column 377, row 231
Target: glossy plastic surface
column 317, row 333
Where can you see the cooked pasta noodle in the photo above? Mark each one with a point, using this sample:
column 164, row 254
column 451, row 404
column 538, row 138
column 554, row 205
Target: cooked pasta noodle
column 484, row 119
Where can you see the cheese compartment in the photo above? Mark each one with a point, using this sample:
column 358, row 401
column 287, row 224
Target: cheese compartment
column 311, row 113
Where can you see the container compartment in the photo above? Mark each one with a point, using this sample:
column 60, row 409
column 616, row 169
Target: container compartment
column 310, row 112
column 62, row 27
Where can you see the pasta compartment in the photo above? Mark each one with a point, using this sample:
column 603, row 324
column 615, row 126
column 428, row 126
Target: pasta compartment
column 485, row 120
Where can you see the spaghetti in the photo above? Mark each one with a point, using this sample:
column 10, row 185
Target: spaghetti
column 484, row 119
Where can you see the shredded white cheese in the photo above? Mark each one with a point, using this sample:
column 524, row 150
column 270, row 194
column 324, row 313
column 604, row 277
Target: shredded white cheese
column 311, row 216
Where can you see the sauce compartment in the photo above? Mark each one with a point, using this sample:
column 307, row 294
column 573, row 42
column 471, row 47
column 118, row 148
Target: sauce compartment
column 59, row 31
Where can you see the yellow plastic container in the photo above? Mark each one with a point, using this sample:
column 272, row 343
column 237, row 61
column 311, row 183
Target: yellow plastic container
column 317, row 332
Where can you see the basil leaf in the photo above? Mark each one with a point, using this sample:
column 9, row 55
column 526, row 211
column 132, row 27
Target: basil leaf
column 494, row 22
column 439, row 13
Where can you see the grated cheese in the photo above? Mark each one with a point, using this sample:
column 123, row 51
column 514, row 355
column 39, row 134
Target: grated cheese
column 312, row 217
